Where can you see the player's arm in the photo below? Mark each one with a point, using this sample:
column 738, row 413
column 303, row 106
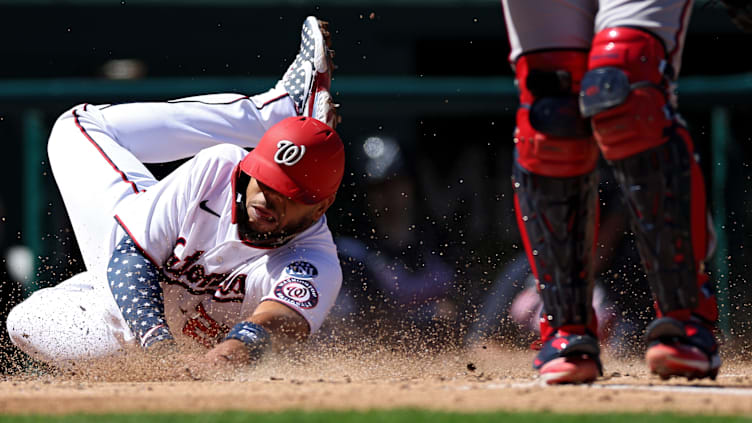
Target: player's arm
column 151, row 224
column 271, row 322
column 283, row 323
column 133, row 279
column 295, row 306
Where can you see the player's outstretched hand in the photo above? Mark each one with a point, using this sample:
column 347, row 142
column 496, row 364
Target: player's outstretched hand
column 225, row 357
column 229, row 353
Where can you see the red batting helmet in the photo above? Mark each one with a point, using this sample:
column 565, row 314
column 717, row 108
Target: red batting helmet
column 299, row 157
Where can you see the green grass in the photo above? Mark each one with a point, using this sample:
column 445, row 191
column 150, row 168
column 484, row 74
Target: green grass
column 392, row 416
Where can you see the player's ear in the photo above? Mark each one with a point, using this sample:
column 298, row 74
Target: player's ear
column 322, row 206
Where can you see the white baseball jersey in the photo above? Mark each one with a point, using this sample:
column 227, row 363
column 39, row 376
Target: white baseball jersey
column 183, row 223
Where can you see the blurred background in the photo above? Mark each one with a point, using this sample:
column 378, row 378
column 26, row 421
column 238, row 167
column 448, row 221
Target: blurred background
column 424, row 221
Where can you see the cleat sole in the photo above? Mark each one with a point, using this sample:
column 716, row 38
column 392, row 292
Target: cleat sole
column 678, row 360
column 569, row 370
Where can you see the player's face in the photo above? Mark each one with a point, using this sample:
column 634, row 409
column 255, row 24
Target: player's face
column 272, row 215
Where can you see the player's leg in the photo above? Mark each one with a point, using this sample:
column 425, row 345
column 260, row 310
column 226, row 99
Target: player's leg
column 534, row 25
column 628, row 93
column 94, row 174
column 75, row 320
column 555, row 180
column 78, row 319
column 308, row 79
column 165, row 131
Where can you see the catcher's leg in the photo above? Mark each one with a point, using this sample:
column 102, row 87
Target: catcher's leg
column 555, row 182
column 626, row 91
column 69, row 322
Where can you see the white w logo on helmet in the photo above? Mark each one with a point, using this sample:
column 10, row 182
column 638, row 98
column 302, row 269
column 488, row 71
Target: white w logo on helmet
column 288, row 153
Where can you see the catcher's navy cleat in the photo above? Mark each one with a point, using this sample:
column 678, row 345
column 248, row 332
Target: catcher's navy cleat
column 677, row 348
column 568, row 358
column 308, row 79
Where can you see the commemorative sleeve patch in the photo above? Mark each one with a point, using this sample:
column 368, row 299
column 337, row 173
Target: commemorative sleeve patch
column 301, row 269
column 300, row 292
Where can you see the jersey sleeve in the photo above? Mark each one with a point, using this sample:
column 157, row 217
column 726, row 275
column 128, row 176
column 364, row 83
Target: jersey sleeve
column 154, row 219
column 134, row 282
column 308, row 285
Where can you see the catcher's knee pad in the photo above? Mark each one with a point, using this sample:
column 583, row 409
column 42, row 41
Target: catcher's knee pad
column 557, row 218
column 551, row 137
column 625, row 92
column 665, row 194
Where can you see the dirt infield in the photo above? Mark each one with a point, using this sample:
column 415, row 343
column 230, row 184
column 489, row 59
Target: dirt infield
column 480, row 379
